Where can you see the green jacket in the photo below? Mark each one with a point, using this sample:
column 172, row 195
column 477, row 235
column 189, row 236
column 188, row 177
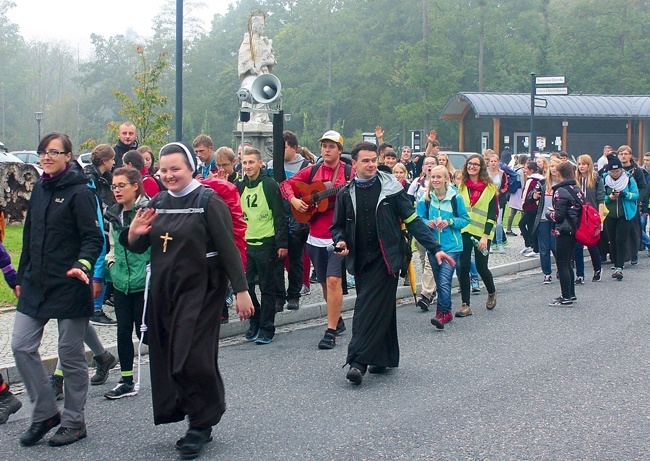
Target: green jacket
column 127, row 269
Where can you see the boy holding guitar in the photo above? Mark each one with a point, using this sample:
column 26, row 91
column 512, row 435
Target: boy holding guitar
column 308, row 191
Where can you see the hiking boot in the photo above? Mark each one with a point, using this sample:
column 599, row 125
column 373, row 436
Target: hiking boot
column 99, row 318
column 103, row 363
column 37, row 431
column 328, row 341
column 441, row 318
column 293, row 304
column 475, row 286
column 596, row 277
column 580, row 280
column 306, row 289
column 354, row 375
column 67, row 435
column 121, row 390
column 252, row 333
column 424, row 303
column 547, row 279
column 9, row 405
column 561, row 302
column 491, row 301
column 192, row 444
column 279, row 305
column 57, row 386
column 340, row 326
column 618, row 274
column 464, row 311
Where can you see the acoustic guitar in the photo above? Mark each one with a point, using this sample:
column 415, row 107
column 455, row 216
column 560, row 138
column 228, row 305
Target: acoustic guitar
column 314, row 196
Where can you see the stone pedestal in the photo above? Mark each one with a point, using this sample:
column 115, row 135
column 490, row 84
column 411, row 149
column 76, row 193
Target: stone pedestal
column 259, row 135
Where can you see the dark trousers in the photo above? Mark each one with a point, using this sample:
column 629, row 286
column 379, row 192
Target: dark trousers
column 481, row 267
column 128, row 310
column 618, row 231
column 261, row 267
column 294, row 265
column 564, row 245
column 526, row 224
column 579, row 258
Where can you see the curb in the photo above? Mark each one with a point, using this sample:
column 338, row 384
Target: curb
column 307, row 312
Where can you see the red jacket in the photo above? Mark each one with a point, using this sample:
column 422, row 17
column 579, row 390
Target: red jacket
column 320, row 224
column 229, row 193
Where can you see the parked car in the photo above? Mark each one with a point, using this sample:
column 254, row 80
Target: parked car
column 29, row 156
column 6, row 157
column 84, row 160
column 457, row 159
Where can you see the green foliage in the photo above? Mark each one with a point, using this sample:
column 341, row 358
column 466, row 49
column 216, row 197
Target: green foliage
column 145, row 108
column 13, row 242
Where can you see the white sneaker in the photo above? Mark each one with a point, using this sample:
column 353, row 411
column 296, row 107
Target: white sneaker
column 498, row 249
column 526, row 250
column 532, row 254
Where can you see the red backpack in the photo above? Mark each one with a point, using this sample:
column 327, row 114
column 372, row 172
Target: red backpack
column 588, row 231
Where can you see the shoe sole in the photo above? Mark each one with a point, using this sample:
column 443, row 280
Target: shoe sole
column 459, row 315
column 179, row 443
column 438, row 324
column 117, row 397
column 83, row 435
column 264, row 341
column 103, row 324
column 354, row 378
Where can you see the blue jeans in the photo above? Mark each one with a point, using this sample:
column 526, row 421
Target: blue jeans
column 645, row 240
column 499, row 233
column 578, row 255
column 444, row 274
column 546, row 242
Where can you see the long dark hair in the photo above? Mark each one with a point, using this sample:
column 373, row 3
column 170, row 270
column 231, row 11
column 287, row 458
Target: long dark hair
column 483, row 175
column 132, row 175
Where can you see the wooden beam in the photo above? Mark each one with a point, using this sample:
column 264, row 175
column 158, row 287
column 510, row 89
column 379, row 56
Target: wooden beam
column 565, row 130
column 640, row 146
column 497, row 134
column 461, row 128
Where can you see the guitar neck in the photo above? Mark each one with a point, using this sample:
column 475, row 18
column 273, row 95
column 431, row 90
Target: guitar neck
column 327, row 193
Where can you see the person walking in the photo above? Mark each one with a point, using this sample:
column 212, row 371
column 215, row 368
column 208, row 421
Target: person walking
column 61, row 242
column 544, row 227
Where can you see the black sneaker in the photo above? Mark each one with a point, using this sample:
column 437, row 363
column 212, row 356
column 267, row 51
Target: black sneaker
column 596, row 277
column 547, row 279
column 37, row 431
column 121, row 390
column 563, row 302
column 252, row 333
column 424, row 303
column 99, row 318
column 279, row 305
column 313, row 278
column 354, row 375
column 340, row 326
column 328, row 341
column 263, row 339
column 618, row 274
column 194, row 442
column 67, row 435
column 103, row 364
column 509, row 232
column 635, row 260
column 9, row 405
column 57, row 386
column 293, row 304
column 580, row 280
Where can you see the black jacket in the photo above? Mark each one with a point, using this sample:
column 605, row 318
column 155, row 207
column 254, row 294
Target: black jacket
column 392, row 206
column 102, row 184
column 566, row 209
column 120, row 149
column 61, row 228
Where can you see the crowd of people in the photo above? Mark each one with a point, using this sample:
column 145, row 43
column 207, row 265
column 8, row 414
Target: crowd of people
column 165, row 243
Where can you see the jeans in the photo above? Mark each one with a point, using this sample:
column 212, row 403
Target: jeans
column 580, row 259
column 444, row 275
column 645, row 240
column 565, row 245
column 546, row 242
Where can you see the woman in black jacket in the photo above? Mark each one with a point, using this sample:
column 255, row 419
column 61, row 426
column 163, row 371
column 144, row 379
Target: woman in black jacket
column 567, row 206
column 61, row 242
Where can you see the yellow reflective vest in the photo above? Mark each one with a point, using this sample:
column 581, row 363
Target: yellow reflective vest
column 478, row 214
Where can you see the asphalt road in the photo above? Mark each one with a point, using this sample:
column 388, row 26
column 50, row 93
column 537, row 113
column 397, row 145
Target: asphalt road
column 523, row 382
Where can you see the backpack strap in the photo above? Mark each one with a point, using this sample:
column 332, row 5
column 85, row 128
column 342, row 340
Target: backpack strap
column 314, row 170
column 454, row 205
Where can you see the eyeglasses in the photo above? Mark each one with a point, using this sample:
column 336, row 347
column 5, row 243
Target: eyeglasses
column 223, row 165
column 50, row 153
column 473, row 165
column 120, row 186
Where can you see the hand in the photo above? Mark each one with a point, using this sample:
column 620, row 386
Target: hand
column 199, row 177
column 221, row 174
column 17, row 291
column 613, row 196
column 441, row 257
column 282, row 253
column 536, row 195
column 98, row 287
column 432, row 224
column 141, row 224
column 78, row 274
column 442, row 224
column 482, row 244
column 432, row 135
column 344, row 246
column 379, row 132
column 244, row 305
column 299, row 205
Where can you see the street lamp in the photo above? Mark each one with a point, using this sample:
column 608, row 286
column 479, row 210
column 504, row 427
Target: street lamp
column 287, row 117
column 39, row 117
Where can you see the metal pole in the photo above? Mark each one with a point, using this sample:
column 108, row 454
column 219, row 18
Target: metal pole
column 179, row 70
column 533, row 91
column 278, row 146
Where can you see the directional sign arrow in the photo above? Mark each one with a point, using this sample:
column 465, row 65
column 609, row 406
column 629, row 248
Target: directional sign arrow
column 540, row 102
column 559, row 80
column 551, row 91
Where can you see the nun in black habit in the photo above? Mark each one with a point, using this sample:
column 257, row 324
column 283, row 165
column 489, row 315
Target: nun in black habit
column 193, row 255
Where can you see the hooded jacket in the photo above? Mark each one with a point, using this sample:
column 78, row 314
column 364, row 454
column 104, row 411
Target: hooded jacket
column 393, row 205
column 61, row 232
column 566, row 209
column 529, row 203
column 450, row 237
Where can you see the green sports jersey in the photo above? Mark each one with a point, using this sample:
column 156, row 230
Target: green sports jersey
column 257, row 214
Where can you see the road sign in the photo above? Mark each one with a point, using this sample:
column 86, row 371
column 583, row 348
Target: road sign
column 540, row 102
column 550, row 91
column 560, row 80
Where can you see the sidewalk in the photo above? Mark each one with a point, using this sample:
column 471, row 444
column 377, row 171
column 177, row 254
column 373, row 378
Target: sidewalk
column 312, row 307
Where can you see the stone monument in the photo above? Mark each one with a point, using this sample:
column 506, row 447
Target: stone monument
column 256, row 57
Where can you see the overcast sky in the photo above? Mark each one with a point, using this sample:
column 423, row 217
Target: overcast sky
column 73, row 21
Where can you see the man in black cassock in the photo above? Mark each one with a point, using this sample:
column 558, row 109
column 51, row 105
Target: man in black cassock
column 366, row 229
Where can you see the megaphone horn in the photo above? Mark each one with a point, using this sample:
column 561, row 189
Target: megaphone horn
column 265, row 89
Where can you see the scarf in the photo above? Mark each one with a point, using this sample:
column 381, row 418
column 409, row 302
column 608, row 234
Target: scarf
column 364, row 183
column 475, row 190
column 617, row 184
column 46, row 177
